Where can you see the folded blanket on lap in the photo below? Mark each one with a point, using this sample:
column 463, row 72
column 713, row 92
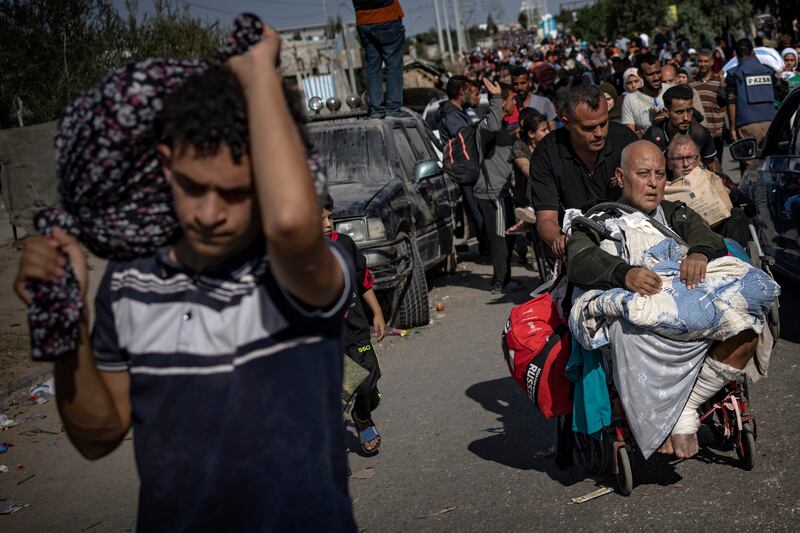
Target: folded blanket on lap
column 734, row 296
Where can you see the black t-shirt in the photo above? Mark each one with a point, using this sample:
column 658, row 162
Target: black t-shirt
column 657, row 134
column 356, row 325
column 560, row 180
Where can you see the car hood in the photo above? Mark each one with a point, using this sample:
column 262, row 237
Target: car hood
column 353, row 199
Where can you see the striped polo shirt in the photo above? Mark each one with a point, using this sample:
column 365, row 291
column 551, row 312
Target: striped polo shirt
column 714, row 114
column 235, row 392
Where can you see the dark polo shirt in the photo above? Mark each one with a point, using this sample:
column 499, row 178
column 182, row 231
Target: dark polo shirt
column 658, row 134
column 560, row 180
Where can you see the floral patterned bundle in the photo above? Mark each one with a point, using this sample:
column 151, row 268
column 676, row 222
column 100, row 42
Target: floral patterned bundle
column 114, row 196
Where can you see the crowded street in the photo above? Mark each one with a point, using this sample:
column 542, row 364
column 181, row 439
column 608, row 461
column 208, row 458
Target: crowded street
column 465, row 451
column 399, row 266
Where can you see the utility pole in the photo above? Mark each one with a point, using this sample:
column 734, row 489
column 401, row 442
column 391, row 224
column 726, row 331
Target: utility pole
column 462, row 43
column 447, row 29
column 351, row 72
column 439, row 29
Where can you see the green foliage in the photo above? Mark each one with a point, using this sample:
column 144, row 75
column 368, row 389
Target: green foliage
column 708, row 18
column 609, row 19
column 523, row 19
column 51, row 50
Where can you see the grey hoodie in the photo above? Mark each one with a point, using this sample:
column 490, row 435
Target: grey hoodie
column 496, row 143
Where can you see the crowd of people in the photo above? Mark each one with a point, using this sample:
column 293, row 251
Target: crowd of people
column 571, row 125
column 659, row 89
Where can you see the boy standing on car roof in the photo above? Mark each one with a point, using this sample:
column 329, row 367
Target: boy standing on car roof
column 356, row 336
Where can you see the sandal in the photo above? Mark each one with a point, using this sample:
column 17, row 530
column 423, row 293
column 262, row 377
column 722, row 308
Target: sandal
column 367, row 432
column 520, row 228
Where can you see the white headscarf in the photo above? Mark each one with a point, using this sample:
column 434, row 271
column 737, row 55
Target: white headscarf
column 786, row 74
column 633, row 71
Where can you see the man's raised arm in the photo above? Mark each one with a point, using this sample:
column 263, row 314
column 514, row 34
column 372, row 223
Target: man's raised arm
column 300, row 259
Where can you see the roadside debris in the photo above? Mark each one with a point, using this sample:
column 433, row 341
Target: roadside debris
column 38, row 431
column 592, row 495
column 7, row 423
column 9, row 507
column 3, row 469
column 404, row 332
column 443, row 510
column 440, row 307
column 366, row 473
column 20, row 482
column 4, row 446
column 40, row 393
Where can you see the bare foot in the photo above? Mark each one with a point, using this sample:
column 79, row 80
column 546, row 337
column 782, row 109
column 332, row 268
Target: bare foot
column 685, row 446
column 666, row 448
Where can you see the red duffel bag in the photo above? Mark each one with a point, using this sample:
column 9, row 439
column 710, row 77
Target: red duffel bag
column 536, row 344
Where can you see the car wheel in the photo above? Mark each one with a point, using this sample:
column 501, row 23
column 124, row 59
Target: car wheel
column 412, row 308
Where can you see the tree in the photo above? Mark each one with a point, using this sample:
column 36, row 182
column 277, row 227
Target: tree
column 610, row 19
column 708, row 18
column 51, row 50
column 491, row 27
column 523, row 19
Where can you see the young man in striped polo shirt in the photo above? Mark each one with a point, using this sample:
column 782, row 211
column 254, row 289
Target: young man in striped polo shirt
column 707, row 84
column 222, row 350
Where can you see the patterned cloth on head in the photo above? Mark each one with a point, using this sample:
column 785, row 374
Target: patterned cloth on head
column 114, row 197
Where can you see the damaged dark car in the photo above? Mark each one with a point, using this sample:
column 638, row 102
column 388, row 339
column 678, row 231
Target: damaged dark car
column 393, row 198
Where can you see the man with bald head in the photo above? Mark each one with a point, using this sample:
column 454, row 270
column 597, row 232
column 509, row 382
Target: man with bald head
column 642, row 176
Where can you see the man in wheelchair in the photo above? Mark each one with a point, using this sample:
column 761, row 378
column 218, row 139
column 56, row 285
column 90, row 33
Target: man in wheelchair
column 680, row 318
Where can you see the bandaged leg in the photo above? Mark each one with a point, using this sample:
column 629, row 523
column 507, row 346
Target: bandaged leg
column 713, row 376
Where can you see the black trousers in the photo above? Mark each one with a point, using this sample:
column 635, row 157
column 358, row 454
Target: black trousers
column 495, row 224
column 367, row 396
column 474, row 217
column 719, row 145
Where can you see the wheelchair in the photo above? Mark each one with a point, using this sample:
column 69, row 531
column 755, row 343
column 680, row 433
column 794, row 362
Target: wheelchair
column 727, row 414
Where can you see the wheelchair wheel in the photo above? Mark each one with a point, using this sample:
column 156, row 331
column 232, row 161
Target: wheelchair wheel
column 624, row 472
column 746, row 447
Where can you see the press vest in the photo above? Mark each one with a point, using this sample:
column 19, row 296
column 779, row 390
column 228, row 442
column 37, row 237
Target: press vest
column 754, row 92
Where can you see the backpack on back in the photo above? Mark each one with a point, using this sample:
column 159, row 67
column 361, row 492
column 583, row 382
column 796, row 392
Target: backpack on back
column 536, row 345
column 462, row 158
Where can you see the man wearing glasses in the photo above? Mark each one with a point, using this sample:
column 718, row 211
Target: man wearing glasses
column 683, row 156
column 679, row 113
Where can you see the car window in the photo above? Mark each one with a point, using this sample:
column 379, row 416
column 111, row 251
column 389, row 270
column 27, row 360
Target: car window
column 418, row 143
column 353, row 154
column 407, row 156
column 779, row 140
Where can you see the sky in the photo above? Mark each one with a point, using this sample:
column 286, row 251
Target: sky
column 292, row 13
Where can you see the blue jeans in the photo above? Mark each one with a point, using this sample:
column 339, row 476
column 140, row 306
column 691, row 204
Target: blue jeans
column 383, row 44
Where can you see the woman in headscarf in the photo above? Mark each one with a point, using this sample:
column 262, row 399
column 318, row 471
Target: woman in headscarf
column 632, row 82
column 613, row 100
column 789, row 56
column 790, row 74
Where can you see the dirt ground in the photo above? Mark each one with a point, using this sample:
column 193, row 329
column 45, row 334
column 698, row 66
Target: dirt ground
column 15, row 360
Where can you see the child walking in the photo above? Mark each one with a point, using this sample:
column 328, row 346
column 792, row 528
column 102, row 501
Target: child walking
column 356, row 336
